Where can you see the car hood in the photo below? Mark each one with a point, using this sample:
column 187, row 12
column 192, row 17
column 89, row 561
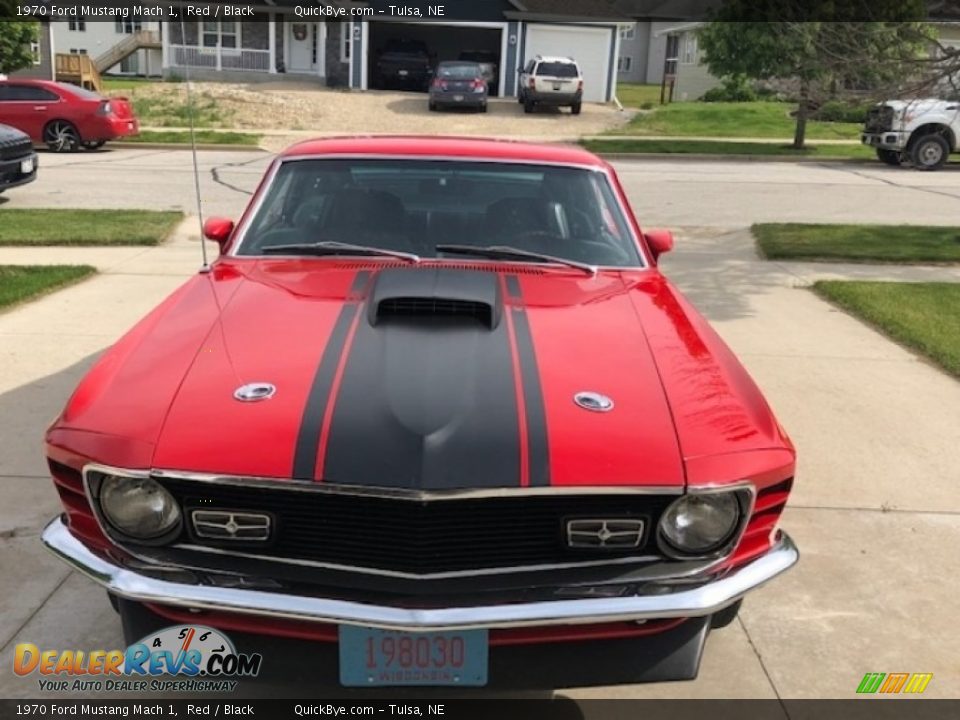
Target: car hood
column 423, row 377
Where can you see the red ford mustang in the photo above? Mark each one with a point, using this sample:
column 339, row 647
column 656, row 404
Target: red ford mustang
column 64, row 117
column 433, row 417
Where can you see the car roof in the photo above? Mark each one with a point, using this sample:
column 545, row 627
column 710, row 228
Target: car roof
column 446, row 147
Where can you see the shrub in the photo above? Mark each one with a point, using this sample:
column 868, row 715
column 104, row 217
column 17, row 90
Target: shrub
column 734, row 89
column 842, row 111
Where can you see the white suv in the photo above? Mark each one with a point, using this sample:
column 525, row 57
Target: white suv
column 554, row 81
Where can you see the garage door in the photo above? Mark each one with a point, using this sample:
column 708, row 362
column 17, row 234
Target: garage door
column 590, row 47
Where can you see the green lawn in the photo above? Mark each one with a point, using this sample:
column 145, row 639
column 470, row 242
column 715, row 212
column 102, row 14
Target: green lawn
column 634, row 95
column 22, row 282
column 112, row 84
column 714, row 147
column 859, row 243
column 922, row 316
column 86, row 227
column 761, row 119
column 204, row 137
column 172, row 110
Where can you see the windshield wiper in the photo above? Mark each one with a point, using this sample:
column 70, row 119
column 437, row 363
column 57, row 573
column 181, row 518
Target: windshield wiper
column 504, row 252
column 331, row 247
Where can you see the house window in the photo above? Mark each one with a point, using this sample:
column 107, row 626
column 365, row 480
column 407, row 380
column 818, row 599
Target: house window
column 628, row 32
column 220, row 32
column 345, row 42
column 35, row 51
column 127, row 27
column 78, row 25
column 76, row 51
column 690, row 55
column 624, row 64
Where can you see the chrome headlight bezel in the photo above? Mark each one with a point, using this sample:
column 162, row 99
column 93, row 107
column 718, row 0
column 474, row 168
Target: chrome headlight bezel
column 742, row 497
column 100, row 487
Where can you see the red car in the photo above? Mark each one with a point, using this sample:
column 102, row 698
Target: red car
column 64, row 117
column 433, row 417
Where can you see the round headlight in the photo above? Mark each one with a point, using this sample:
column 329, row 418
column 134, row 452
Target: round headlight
column 138, row 507
column 698, row 524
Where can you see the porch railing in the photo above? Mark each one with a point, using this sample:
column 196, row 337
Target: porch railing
column 215, row 58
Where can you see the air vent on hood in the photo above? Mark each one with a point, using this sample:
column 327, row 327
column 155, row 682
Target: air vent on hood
column 426, row 295
column 435, row 307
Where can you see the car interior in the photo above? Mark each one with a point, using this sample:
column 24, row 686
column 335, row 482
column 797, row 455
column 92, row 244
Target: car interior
column 555, row 211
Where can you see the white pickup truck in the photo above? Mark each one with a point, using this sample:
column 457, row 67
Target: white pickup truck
column 921, row 132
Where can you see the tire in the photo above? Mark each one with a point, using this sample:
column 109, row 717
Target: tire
column 726, row 616
column 432, row 105
column 575, row 108
column 528, row 106
column 483, row 108
column 520, row 97
column 94, row 144
column 890, row 157
column 61, row 136
column 929, row 152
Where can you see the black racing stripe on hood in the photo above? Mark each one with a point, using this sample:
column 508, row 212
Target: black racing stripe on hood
column 427, row 401
column 538, row 450
column 308, row 439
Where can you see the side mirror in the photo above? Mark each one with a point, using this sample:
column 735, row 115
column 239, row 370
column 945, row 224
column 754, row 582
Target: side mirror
column 218, row 229
column 660, row 242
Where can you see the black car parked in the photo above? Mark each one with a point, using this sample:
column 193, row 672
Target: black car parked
column 404, row 64
column 18, row 161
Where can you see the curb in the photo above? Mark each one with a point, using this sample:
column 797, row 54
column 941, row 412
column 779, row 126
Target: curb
column 732, row 157
column 187, row 146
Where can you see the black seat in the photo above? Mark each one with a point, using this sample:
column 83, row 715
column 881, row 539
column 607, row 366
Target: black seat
column 358, row 211
column 510, row 217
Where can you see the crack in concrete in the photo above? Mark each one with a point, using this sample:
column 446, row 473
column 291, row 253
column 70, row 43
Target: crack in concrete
column 891, row 183
column 215, row 174
column 881, row 510
column 763, row 665
column 36, row 611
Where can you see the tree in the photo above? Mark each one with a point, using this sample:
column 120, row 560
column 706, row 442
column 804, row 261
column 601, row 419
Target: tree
column 826, row 47
column 15, row 39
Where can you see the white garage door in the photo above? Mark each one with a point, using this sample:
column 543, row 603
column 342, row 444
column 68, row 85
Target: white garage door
column 590, row 47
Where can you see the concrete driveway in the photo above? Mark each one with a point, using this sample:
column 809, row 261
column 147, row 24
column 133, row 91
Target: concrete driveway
column 875, row 509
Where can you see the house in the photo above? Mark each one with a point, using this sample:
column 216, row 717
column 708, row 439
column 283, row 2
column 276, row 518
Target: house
column 645, row 42
column 43, row 54
column 98, row 39
column 282, row 41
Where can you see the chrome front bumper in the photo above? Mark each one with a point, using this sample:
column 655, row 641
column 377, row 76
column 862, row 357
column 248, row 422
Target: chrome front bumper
column 671, row 601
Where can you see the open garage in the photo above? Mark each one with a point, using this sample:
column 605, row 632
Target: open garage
column 589, row 46
column 443, row 42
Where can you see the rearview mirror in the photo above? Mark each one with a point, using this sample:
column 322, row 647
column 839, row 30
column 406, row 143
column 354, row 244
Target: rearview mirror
column 660, row 242
column 218, row 229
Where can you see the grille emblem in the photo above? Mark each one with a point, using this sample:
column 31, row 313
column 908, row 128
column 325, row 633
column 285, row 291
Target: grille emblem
column 254, row 391
column 228, row 525
column 593, row 401
column 610, row 533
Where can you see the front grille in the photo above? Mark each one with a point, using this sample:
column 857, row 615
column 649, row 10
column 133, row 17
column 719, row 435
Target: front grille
column 879, row 119
column 14, row 149
column 423, row 537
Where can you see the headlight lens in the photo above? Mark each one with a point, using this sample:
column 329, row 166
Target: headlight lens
column 138, row 507
column 698, row 524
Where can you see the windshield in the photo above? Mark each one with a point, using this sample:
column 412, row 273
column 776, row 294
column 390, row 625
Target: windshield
column 465, row 71
column 412, row 206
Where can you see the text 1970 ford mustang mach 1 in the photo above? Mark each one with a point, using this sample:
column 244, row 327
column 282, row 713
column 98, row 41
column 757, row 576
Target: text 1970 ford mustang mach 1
column 433, row 417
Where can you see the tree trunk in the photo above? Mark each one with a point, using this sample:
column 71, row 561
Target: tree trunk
column 800, row 134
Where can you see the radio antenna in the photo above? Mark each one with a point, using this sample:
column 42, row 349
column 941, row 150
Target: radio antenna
column 193, row 147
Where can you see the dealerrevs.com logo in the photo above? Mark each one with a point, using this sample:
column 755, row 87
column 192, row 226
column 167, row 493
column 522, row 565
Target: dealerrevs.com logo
column 205, row 657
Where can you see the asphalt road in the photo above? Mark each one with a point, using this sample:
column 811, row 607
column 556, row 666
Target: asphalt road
column 721, row 194
column 874, row 510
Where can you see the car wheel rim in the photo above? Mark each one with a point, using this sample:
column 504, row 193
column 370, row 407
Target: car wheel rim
column 61, row 136
column 931, row 154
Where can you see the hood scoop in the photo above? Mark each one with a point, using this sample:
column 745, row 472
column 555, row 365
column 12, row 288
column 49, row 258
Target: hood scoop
column 431, row 296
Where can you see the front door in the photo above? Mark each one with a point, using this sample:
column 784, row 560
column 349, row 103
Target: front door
column 303, row 39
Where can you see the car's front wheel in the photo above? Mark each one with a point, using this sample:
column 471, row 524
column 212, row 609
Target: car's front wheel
column 890, row 157
column 61, row 136
column 929, row 152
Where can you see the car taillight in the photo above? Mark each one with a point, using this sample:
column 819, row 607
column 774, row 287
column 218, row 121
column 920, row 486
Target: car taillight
column 105, row 108
column 533, row 83
column 440, row 84
column 580, row 85
column 479, row 84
